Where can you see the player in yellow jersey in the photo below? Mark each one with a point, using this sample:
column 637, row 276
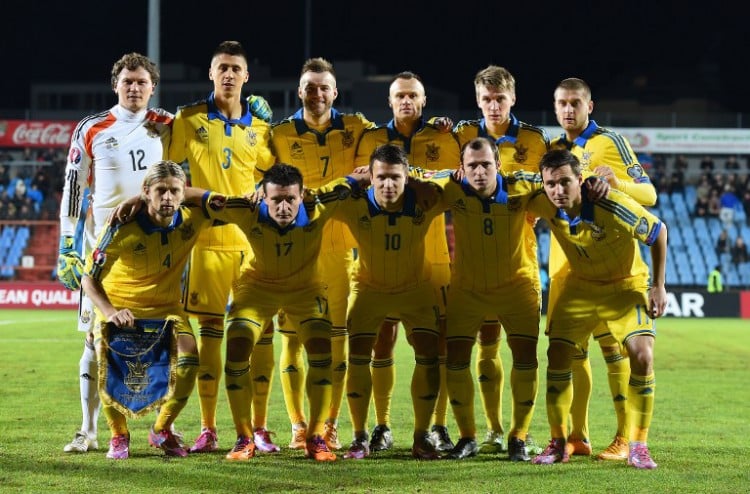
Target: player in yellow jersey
column 608, row 154
column 285, row 234
column 223, row 144
column 607, row 285
column 391, row 280
column 321, row 142
column 493, row 277
column 135, row 273
column 520, row 146
column 428, row 146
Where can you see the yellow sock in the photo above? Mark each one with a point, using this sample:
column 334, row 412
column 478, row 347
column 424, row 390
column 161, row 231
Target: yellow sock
column 240, row 394
column 359, row 391
column 318, row 388
column 461, row 390
column 292, row 366
column 618, row 374
column 383, row 379
column 187, row 369
column 579, row 409
column 116, row 421
column 209, row 374
column 425, row 384
column 559, row 396
column 441, row 404
column 523, row 384
column 261, row 373
column 489, row 370
column 641, row 399
column 338, row 371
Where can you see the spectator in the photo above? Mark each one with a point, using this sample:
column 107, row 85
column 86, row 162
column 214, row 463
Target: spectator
column 707, row 164
column 677, row 182
column 722, row 243
column 728, row 204
column 680, row 163
column 4, row 175
column 700, row 209
column 714, row 204
column 746, row 204
column 715, row 284
column 731, row 163
column 42, row 182
column 739, row 251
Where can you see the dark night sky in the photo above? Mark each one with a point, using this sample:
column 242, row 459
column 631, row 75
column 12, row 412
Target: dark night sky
column 610, row 44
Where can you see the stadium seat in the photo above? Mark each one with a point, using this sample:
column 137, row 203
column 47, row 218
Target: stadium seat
column 663, row 200
column 544, row 278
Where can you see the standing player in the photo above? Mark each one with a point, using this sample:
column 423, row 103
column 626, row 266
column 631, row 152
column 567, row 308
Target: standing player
column 135, row 273
column 391, row 280
column 494, row 276
column 109, row 153
column 222, row 143
column 608, row 154
column 427, row 146
column 321, row 142
column 520, row 148
column 607, row 285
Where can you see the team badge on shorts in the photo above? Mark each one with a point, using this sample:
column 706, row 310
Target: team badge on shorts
column 137, row 374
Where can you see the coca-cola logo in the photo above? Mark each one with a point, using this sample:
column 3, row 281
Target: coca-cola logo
column 52, row 134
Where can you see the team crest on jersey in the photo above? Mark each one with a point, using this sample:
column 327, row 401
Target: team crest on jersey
column 296, row 151
column 201, row 134
column 433, row 152
column 635, row 171
column 347, row 138
column 75, row 155
column 85, row 316
column 193, row 298
column 418, row 218
column 111, row 143
column 364, row 223
column 586, row 160
column 256, row 232
column 139, row 249
column 514, row 203
column 642, row 227
column 459, row 205
column 521, row 154
column 597, row 232
column 151, row 129
column 252, row 137
column 187, row 231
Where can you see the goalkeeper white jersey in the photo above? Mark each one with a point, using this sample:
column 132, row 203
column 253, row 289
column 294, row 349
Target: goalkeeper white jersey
column 110, row 153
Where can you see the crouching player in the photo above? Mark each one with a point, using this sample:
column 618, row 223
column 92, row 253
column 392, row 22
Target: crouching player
column 134, row 273
column 608, row 284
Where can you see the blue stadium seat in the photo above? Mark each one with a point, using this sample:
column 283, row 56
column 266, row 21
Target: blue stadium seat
column 690, row 197
column 663, row 200
column 544, row 278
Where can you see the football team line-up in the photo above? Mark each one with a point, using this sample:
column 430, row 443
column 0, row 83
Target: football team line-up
column 331, row 231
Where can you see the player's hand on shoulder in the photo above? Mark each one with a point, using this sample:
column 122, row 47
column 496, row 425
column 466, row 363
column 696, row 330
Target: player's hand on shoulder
column 260, row 108
column 126, row 211
column 597, row 188
column 443, row 124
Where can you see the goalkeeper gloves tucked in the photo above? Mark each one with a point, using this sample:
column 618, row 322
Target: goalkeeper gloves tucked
column 69, row 264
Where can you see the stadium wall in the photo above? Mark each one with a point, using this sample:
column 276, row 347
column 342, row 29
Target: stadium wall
column 681, row 303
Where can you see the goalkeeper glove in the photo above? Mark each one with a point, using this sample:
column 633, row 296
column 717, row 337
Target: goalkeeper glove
column 69, row 264
column 260, row 108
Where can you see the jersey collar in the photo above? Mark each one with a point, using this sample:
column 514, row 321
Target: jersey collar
column 394, row 135
column 511, row 135
column 302, row 219
column 409, row 208
column 144, row 221
column 586, row 215
column 582, row 139
column 499, row 197
column 213, row 113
